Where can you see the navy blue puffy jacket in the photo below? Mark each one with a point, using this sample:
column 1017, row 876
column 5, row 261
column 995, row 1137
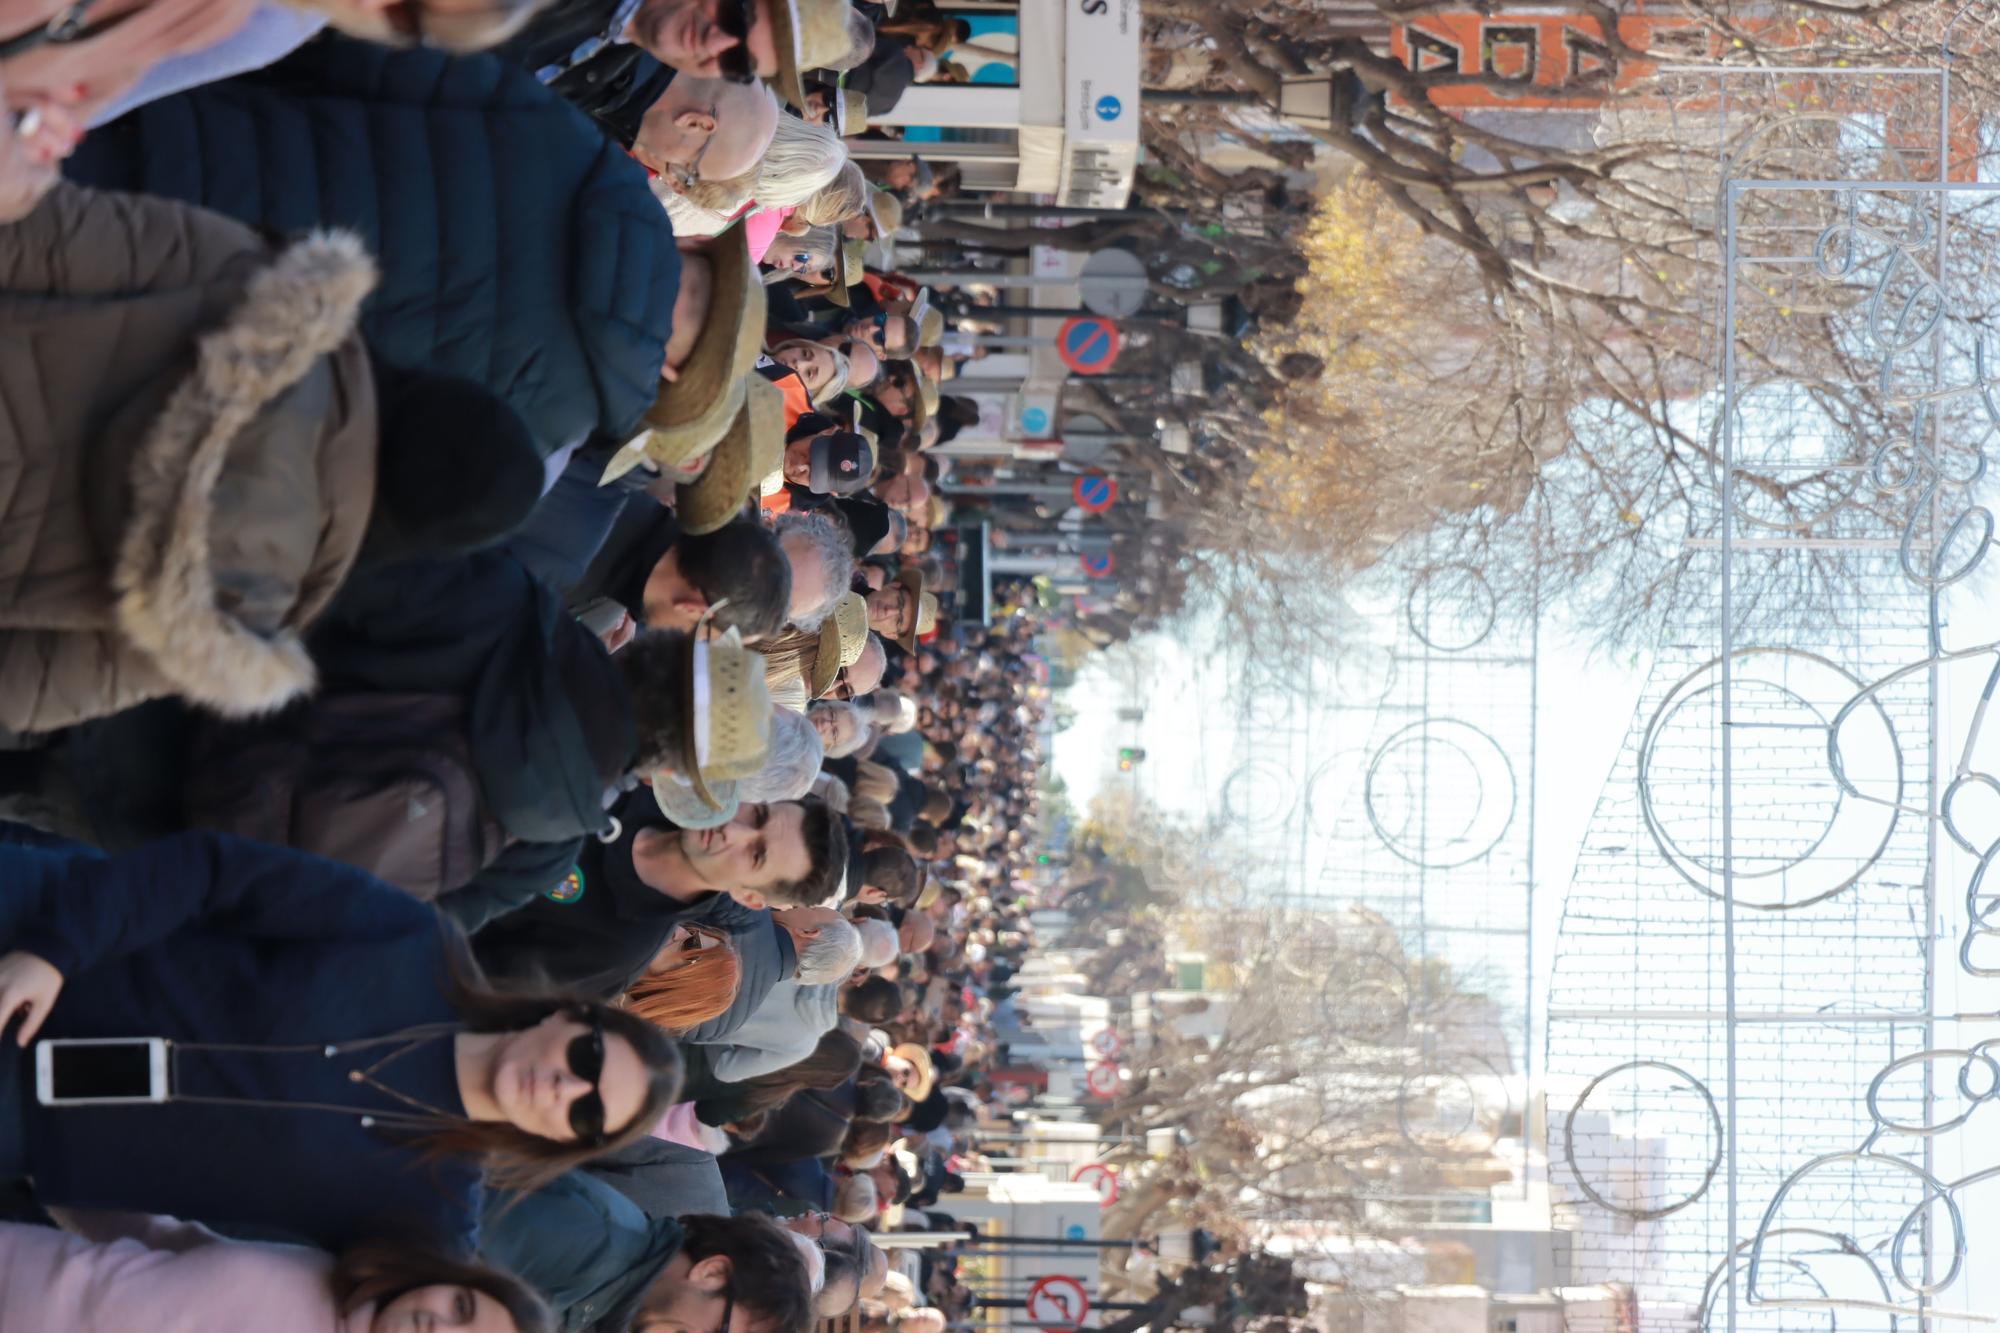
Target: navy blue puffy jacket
column 519, row 247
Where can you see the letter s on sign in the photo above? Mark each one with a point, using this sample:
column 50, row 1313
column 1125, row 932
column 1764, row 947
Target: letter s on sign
column 1096, row 6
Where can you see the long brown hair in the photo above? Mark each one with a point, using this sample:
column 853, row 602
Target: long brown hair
column 700, row 989
column 836, row 1059
column 513, row 1158
column 376, row 1272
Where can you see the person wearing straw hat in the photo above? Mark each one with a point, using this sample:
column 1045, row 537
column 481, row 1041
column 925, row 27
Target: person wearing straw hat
column 751, row 449
column 902, row 611
column 817, row 657
column 880, row 218
column 910, row 1066
column 716, row 340
column 587, row 42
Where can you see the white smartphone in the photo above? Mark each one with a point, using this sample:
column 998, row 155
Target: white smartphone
column 101, row 1071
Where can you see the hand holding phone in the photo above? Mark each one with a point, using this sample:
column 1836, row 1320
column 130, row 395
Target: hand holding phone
column 28, row 989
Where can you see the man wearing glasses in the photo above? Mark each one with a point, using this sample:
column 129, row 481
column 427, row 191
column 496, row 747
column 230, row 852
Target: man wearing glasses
column 581, row 45
column 705, row 129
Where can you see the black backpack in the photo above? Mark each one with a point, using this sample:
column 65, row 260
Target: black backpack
column 383, row 782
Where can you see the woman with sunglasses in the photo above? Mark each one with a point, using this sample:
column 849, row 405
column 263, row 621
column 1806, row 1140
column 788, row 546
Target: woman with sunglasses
column 333, row 1059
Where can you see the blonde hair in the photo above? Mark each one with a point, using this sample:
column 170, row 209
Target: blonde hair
column 709, row 206
column 869, row 813
column 802, row 159
column 835, row 386
column 843, row 197
column 874, row 781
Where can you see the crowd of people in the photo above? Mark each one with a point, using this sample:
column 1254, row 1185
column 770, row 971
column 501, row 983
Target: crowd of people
column 486, row 705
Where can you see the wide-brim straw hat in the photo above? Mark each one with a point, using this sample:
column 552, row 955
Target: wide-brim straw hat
column 926, row 405
column 751, row 449
column 679, row 802
column 850, row 112
column 809, row 34
column 926, row 1071
column 691, row 412
column 842, row 637
column 913, row 579
column 885, row 211
column 728, row 715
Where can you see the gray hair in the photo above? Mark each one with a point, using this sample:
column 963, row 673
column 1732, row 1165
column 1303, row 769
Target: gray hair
column 845, row 707
column 802, row 158
column 793, row 763
column 878, row 942
column 831, row 543
column 830, row 955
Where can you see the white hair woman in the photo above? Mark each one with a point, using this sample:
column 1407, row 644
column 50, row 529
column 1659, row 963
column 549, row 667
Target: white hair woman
column 795, row 757
column 802, row 159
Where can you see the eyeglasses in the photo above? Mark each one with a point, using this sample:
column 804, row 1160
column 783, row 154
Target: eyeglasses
column 728, row 1304
column 686, row 175
column 586, row 1061
column 735, row 17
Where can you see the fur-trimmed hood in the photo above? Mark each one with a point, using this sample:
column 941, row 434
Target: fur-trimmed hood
column 279, row 401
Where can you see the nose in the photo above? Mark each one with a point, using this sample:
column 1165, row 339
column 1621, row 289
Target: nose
column 566, row 1087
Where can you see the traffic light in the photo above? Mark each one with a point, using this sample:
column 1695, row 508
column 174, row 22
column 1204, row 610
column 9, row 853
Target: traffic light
column 1128, row 757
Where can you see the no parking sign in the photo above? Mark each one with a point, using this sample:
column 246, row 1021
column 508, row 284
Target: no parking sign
column 1088, row 344
column 1098, row 566
column 1094, row 492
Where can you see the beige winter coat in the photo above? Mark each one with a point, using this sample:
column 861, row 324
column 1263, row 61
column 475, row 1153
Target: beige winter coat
column 187, row 455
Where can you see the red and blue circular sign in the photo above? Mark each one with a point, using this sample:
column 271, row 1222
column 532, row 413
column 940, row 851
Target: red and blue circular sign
column 1098, row 566
column 1088, row 344
column 1094, row 492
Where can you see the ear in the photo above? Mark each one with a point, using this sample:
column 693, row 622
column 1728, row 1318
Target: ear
column 692, row 602
column 696, row 121
column 750, row 898
column 710, row 1274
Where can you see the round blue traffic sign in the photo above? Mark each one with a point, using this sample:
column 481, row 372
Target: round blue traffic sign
column 1109, row 107
column 1088, row 344
column 1094, row 492
column 1074, row 1231
column 1034, row 420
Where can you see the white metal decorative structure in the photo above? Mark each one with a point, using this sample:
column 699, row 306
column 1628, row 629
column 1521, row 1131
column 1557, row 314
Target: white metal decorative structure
column 1761, row 1063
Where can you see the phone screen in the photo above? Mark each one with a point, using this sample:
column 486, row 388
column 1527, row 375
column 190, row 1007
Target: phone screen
column 116, row 1069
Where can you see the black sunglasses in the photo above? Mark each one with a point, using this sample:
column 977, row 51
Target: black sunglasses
column 586, row 1061
column 735, row 18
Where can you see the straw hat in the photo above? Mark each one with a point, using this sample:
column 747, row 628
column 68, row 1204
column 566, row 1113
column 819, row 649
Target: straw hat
column 850, row 112
column 841, row 639
column 728, row 731
column 926, row 405
column 809, row 34
column 926, row 604
column 848, row 266
column 752, row 449
column 691, row 412
column 885, row 210
column 926, row 1071
column 678, row 802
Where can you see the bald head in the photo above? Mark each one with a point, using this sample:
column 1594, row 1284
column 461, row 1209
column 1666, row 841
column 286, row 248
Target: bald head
column 725, row 126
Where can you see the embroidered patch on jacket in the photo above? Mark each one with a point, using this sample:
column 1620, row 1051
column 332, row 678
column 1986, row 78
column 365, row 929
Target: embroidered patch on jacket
column 570, row 889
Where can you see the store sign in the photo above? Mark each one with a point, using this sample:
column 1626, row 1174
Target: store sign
column 1101, row 106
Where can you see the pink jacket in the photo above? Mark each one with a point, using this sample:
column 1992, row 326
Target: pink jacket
column 760, row 229
column 164, row 1277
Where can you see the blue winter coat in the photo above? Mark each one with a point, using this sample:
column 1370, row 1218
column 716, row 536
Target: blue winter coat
column 519, row 247
column 204, row 938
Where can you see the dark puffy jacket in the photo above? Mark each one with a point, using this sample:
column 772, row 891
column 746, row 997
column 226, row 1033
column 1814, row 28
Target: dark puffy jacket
column 519, row 248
